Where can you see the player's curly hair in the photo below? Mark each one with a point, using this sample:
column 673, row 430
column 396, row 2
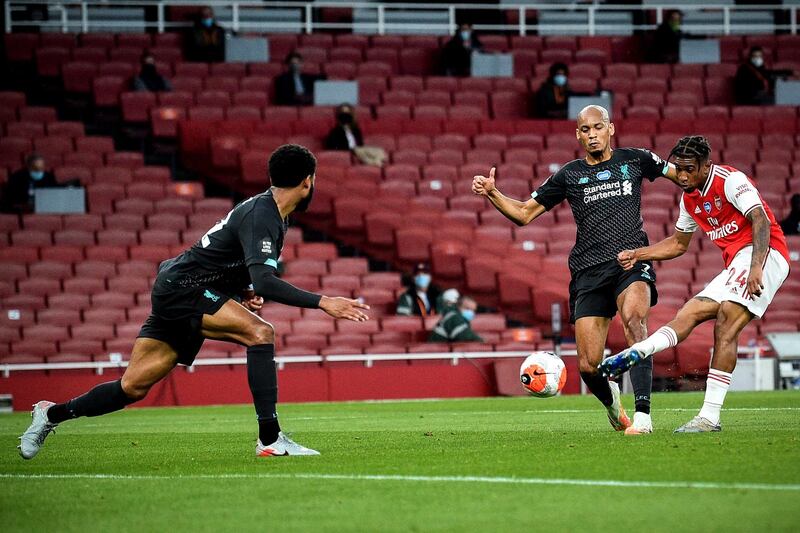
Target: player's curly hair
column 692, row 147
column 290, row 164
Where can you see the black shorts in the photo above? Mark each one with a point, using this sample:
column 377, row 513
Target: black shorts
column 593, row 291
column 177, row 316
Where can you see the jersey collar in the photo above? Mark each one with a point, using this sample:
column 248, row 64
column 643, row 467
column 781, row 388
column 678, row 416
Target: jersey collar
column 707, row 186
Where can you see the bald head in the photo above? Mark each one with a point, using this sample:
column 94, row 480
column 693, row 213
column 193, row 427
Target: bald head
column 594, row 132
column 592, row 114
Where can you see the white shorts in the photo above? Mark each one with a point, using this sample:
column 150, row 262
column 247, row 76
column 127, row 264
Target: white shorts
column 731, row 284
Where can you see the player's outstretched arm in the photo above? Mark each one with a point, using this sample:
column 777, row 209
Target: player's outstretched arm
column 518, row 212
column 268, row 285
column 671, row 173
column 670, row 248
column 344, row 308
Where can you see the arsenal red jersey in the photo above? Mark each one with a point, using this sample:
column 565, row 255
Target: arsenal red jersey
column 720, row 209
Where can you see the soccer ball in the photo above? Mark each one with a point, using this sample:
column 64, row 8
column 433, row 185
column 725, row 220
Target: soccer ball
column 543, row 374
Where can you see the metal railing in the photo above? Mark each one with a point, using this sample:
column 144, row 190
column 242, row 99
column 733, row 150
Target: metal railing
column 281, row 361
column 86, row 16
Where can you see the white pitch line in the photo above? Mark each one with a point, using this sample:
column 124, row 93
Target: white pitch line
column 427, row 479
column 543, row 411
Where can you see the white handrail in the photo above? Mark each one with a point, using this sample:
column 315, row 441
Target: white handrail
column 281, row 361
column 307, row 24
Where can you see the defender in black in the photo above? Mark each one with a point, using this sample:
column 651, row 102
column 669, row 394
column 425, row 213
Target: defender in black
column 212, row 291
column 604, row 192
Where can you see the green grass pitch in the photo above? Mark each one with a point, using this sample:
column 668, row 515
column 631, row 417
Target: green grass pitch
column 455, row 465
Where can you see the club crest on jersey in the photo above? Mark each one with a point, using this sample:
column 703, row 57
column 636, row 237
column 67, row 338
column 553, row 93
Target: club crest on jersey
column 707, row 206
column 718, row 202
column 604, row 175
column 624, row 170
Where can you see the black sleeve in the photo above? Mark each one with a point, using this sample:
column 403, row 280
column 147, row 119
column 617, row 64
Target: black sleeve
column 283, row 92
column 358, row 135
column 259, row 238
column 336, row 139
column 552, row 192
column 271, row 287
column 652, row 165
column 15, row 192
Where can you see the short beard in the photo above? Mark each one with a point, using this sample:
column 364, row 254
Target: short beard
column 302, row 205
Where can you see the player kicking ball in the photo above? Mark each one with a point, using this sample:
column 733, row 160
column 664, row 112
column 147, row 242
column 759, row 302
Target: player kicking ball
column 193, row 299
column 604, row 191
column 725, row 204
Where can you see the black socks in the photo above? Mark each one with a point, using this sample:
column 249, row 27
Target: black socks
column 642, row 381
column 599, row 387
column 104, row 398
column 262, row 376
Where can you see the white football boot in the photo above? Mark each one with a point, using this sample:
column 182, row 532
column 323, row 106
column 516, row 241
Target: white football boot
column 616, row 413
column 699, row 424
column 32, row 440
column 642, row 423
column 283, row 446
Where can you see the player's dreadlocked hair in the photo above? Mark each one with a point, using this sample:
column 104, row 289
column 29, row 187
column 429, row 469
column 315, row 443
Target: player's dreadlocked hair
column 692, row 147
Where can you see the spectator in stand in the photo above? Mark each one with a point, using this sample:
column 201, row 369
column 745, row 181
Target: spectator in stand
column 552, row 96
column 293, row 87
column 18, row 195
column 206, row 39
column 754, row 83
column 149, row 79
column 456, row 323
column 457, row 53
column 791, row 224
column 447, row 300
column 420, row 298
column 666, row 44
column 346, row 135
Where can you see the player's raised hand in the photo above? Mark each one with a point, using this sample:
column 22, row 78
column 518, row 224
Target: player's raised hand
column 626, row 259
column 481, row 185
column 755, row 282
column 345, row 308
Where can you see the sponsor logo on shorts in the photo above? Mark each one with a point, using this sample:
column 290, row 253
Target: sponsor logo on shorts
column 211, row 296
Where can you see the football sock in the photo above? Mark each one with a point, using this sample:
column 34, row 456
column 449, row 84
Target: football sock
column 642, row 381
column 103, row 399
column 262, row 377
column 716, row 387
column 599, row 387
column 664, row 337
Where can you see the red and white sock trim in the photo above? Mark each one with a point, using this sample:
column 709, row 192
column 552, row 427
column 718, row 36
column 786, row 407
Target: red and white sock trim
column 720, row 376
column 669, row 334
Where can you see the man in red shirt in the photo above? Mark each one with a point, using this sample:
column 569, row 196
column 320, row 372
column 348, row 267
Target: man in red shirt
column 725, row 205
